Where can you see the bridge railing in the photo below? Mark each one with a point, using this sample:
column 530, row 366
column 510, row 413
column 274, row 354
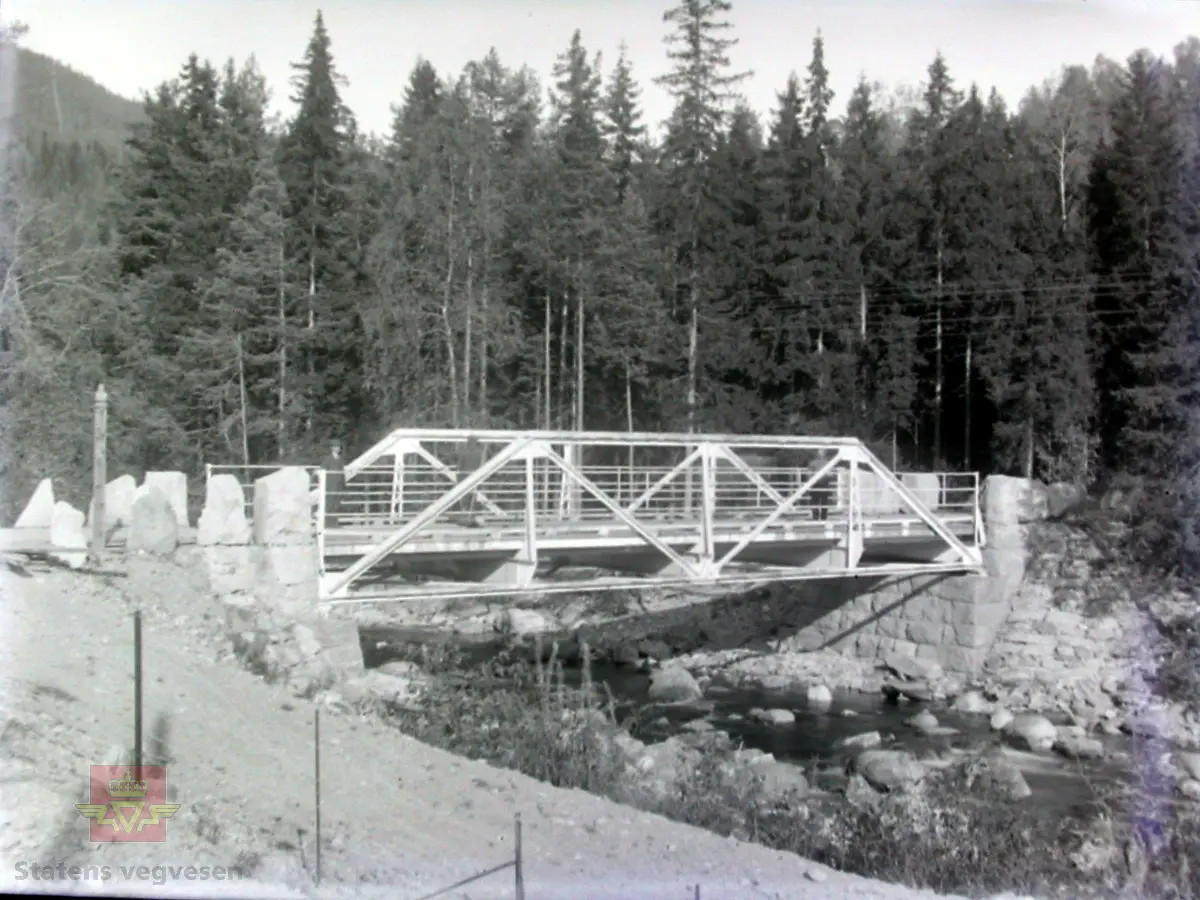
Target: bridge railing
column 384, row 495
column 388, row 495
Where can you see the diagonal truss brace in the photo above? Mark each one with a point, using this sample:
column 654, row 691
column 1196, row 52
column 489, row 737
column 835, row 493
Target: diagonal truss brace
column 342, row 580
column 651, row 491
column 786, row 504
column 623, row 515
column 419, row 450
column 742, row 466
column 967, row 554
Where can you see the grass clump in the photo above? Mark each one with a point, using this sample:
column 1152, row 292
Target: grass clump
column 948, row 835
column 521, row 717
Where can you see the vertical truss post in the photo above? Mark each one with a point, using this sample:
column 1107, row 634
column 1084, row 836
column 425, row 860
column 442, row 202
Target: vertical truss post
column 688, row 482
column 575, row 495
column 854, row 515
column 320, row 521
column 396, row 509
column 564, row 488
column 708, row 504
column 531, row 554
column 980, row 534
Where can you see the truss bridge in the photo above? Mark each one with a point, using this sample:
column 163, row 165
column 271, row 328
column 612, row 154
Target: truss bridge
column 452, row 514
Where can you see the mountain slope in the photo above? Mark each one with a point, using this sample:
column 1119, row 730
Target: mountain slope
column 56, row 101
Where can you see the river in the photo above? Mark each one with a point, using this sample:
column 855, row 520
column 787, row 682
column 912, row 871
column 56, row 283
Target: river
column 812, row 739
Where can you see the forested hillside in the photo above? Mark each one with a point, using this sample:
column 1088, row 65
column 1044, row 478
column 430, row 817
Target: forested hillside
column 960, row 283
column 55, row 102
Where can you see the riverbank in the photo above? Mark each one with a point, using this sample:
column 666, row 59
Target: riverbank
column 951, row 818
column 400, row 818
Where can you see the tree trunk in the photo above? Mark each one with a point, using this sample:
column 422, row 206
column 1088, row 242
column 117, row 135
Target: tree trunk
column 579, row 361
column 282, row 299
column 312, row 325
column 1062, row 179
column 862, row 338
column 485, row 276
column 560, row 417
column 468, row 315
column 862, row 313
column 821, row 364
column 629, row 421
column 470, row 305
column 693, row 351
column 692, row 362
column 1029, row 433
column 937, row 386
column 967, row 406
column 547, row 363
column 483, row 351
column 241, row 365
column 447, row 327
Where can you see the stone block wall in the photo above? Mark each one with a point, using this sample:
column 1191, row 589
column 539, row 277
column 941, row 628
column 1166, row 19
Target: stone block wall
column 951, row 620
column 266, row 576
column 1066, row 624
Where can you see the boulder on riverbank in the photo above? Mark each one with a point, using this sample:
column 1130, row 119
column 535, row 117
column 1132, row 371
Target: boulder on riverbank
column 889, row 770
column 995, row 774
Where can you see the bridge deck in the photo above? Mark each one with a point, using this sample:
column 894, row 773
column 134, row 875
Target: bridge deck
column 501, row 536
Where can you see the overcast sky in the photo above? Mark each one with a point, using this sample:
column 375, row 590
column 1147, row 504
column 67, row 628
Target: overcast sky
column 132, row 45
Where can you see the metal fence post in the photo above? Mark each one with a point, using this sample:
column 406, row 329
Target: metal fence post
column 519, row 865
column 99, row 470
column 137, row 688
column 321, row 488
column 317, row 785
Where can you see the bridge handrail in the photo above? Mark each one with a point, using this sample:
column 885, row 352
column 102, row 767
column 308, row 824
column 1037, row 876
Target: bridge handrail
column 958, row 493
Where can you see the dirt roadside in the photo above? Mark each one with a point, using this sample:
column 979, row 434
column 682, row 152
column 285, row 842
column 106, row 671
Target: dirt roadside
column 399, row 818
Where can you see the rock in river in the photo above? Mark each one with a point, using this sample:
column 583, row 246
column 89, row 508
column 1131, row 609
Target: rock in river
column 861, row 741
column 1033, row 731
column 772, row 716
column 674, row 684
column 972, row 702
column 1076, row 745
column 819, row 696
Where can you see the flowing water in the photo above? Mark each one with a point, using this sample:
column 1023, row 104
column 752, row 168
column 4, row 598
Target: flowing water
column 812, row 739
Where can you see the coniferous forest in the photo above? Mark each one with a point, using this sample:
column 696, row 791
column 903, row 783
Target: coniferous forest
column 961, row 284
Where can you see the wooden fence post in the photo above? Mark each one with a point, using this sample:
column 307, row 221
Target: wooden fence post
column 99, row 470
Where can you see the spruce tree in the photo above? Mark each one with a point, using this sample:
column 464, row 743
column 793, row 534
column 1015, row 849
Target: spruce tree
column 623, row 125
column 1131, row 194
column 314, row 158
column 701, row 83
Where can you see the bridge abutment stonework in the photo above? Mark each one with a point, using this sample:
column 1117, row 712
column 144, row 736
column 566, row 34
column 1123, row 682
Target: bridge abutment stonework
column 951, row 619
column 265, row 570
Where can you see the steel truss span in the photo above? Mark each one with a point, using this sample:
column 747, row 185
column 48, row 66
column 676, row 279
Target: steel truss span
column 452, row 514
